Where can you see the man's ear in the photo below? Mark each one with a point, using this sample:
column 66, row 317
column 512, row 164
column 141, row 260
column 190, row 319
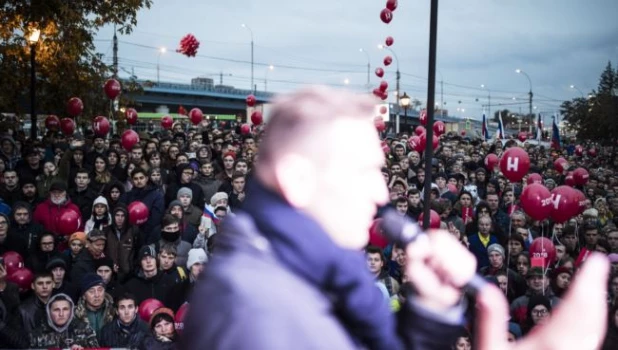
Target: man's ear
column 297, row 178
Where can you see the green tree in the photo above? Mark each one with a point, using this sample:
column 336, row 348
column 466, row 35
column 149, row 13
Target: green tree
column 594, row 118
column 66, row 62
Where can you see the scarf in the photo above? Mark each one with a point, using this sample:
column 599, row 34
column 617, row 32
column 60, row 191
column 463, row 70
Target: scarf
column 303, row 247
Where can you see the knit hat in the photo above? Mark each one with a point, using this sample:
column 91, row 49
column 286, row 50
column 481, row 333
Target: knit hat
column 538, row 299
column 230, row 154
column 593, row 213
column 96, row 235
column 55, row 262
column 481, row 170
column 174, row 203
column 196, row 255
column 495, row 248
column 80, row 236
column 184, row 191
column 90, row 280
column 104, row 261
column 441, row 175
column 161, row 311
column 58, row 186
column 147, row 250
column 217, row 197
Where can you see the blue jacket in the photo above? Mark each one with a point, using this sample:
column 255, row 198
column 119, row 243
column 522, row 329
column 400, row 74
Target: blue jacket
column 252, row 296
column 479, row 250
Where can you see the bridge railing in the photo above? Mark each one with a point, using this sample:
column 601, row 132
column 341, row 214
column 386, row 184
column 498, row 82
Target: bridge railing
column 205, row 88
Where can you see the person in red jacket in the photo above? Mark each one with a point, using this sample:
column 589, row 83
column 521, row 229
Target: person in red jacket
column 48, row 212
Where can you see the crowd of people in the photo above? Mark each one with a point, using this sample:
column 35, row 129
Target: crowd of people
column 88, row 286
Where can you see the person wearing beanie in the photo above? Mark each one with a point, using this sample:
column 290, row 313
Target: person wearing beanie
column 188, row 230
column 219, row 199
column 10, row 241
column 85, row 260
column 538, row 284
column 195, row 265
column 148, row 281
column 77, row 242
column 95, row 307
column 58, row 202
column 561, row 278
column 57, row 266
column 29, row 193
column 514, row 332
column 123, row 241
column 191, row 213
column 163, row 334
column 497, row 265
column 21, row 224
column 105, row 268
column 539, row 310
column 185, row 174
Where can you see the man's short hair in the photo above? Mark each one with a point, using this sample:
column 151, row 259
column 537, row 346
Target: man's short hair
column 43, row 274
column 139, row 170
column 169, row 219
column 169, row 249
column 372, row 249
column 401, row 200
column 125, row 296
column 82, row 171
column 237, row 175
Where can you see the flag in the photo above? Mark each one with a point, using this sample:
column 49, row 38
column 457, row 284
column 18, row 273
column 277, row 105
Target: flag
column 539, row 129
column 555, row 134
column 500, row 131
column 484, row 130
column 209, row 213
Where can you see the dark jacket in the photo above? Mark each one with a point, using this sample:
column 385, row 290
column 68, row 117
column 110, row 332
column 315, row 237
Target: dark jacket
column 479, row 250
column 157, row 287
column 196, row 189
column 37, row 259
column 210, row 186
column 83, row 200
column 115, row 335
column 32, row 312
column 15, row 243
column 84, row 263
column 122, row 244
column 152, row 343
column 11, row 331
column 29, row 232
column 153, row 199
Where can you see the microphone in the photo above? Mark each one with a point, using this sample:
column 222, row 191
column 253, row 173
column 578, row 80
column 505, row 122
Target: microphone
column 403, row 231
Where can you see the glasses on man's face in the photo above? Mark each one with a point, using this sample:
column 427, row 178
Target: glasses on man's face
column 47, row 243
column 540, row 313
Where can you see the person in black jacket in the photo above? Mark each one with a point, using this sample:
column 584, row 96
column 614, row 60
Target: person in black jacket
column 148, row 281
column 22, row 225
column 11, row 335
column 85, row 260
column 8, row 240
column 32, row 311
column 185, row 174
column 44, row 250
column 83, row 195
column 127, row 330
column 57, row 266
column 148, row 194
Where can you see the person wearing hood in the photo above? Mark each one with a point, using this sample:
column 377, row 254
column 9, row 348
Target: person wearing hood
column 44, row 251
column 95, row 307
column 63, row 329
column 182, row 291
column 191, row 214
column 105, row 269
column 122, row 242
column 170, row 234
column 538, row 284
column 127, row 330
column 185, row 174
column 539, row 311
column 57, row 267
column 148, row 281
column 188, row 231
column 31, row 164
column 148, row 194
column 85, row 260
column 206, row 179
column 48, row 212
column 112, row 192
column 100, row 217
column 29, row 193
column 9, row 150
column 47, row 178
column 10, row 241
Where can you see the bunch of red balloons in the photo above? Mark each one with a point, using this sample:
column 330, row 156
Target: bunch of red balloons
column 188, row 45
column 386, row 15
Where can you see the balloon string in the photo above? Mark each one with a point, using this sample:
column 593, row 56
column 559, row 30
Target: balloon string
column 508, row 258
column 543, row 268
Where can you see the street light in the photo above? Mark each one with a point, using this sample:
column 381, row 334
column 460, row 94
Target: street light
column 346, row 81
column 578, row 89
column 270, row 68
column 250, row 31
column 488, row 100
column 368, row 67
column 161, row 50
column 382, row 47
column 33, row 39
column 519, row 71
column 404, row 102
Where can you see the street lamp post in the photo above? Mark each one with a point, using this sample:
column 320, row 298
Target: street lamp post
column 488, row 100
column 250, row 31
column 382, row 47
column 33, row 39
column 578, row 89
column 368, row 68
column 519, row 71
column 161, row 51
column 271, row 67
column 404, row 102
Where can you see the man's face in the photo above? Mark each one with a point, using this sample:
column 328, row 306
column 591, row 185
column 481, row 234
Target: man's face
column 239, row 185
column 228, row 162
column 106, row 273
column 78, row 157
column 100, row 209
column 126, row 310
column 612, row 239
column 570, row 241
column 165, row 145
column 10, row 179
column 374, row 262
column 241, row 167
column 592, row 237
column 207, row 169
column 119, row 218
column 402, row 207
column 221, row 214
column 399, row 151
column 149, row 264
column 518, row 221
column 447, row 151
column 508, row 197
column 22, row 216
column 29, row 190
column 187, row 175
column 537, row 283
column 96, row 248
column 185, row 200
column 182, row 159
column 420, row 176
column 58, row 273
column 136, row 155
column 560, row 252
column 249, row 142
column 95, row 296
column 33, row 159
column 43, row 287
column 139, row 180
column 60, row 312
column 485, row 225
column 515, row 247
column 47, row 244
column 82, row 180
column 496, row 259
column 414, row 199
column 177, row 211
column 493, row 201
column 151, row 147
column 441, row 182
column 166, row 261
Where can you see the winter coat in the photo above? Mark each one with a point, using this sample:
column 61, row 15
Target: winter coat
column 193, row 215
column 30, row 232
column 519, row 306
column 38, row 259
column 81, row 312
column 114, row 335
column 10, row 196
column 157, row 287
column 153, row 199
column 198, row 196
column 83, row 200
column 479, row 250
column 15, row 243
column 122, row 244
column 84, row 263
column 47, row 214
column 11, row 331
column 48, row 335
column 209, row 186
column 152, row 343
column 95, row 222
column 32, row 312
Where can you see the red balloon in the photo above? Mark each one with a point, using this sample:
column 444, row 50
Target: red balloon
column 434, row 220
column 592, row 152
column 23, row 278
column 565, row 203
column 131, row 115
column 452, row 188
column 67, row 126
column 385, row 148
column 379, row 123
column 569, row 180
column 148, row 307
column 391, row 5
column 377, row 93
column 463, row 132
column 422, row 117
column 579, row 150
column 543, row 250
column 388, row 60
column 112, row 88
column 179, row 318
column 256, row 118
column 434, row 141
column 420, row 130
column 129, row 139
column 138, row 213
column 514, row 164
column 12, row 261
column 379, row 72
column 534, row 178
column 560, row 164
column 250, row 100
column 439, row 128
column 245, row 129
column 52, row 122
column 383, row 86
column 491, row 161
column 386, row 16
column 580, row 175
column 68, row 222
column 415, row 144
column 376, row 237
column 389, row 41
column 75, row 106
column 196, row 116
column 167, row 122
column 536, row 201
column 383, row 110
column 384, row 96
column 581, row 200
column 522, row 136
column 100, row 126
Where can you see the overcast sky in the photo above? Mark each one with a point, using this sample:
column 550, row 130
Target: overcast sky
column 556, row 42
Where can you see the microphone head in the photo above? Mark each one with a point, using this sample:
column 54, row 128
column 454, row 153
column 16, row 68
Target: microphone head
column 398, row 228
